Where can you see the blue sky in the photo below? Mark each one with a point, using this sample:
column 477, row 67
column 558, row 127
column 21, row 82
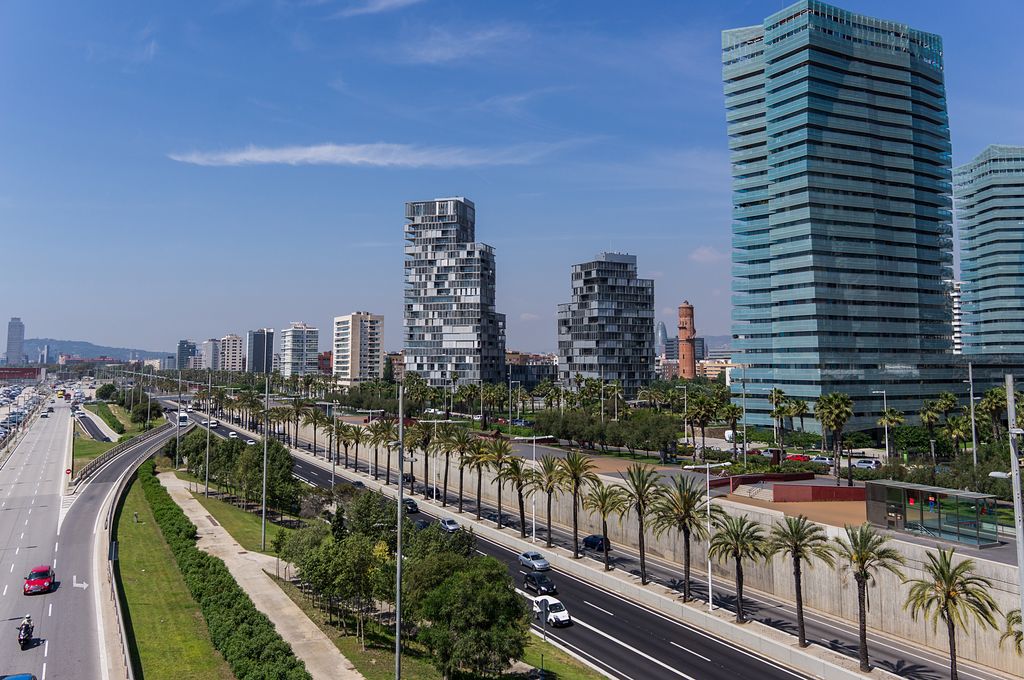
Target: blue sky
column 192, row 169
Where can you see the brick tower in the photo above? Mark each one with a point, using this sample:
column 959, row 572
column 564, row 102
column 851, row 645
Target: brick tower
column 687, row 332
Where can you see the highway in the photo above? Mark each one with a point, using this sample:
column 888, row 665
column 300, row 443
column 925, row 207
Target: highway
column 35, row 529
column 620, row 637
column 897, row 656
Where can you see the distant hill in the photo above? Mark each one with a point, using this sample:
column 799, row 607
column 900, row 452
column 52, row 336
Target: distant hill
column 86, row 349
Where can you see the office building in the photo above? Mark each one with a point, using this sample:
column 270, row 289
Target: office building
column 275, row 363
column 299, row 349
column 15, row 341
column 989, row 194
column 452, row 331
column 607, row 330
column 660, row 338
column 186, row 351
column 259, row 350
column 687, row 332
column 210, row 354
column 44, row 355
column 325, row 362
column 700, row 350
column 358, row 348
column 232, row 355
column 958, row 317
column 397, row 361
column 839, row 142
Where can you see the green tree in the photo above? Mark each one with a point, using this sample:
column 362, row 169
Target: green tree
column 478, row 460
column 641, row 491
column 683, row 508
column 316, row 419
column 547, row 480
column 833, row 411
column 864, row 552
column 519, row 475
column 499, row 457
column 738, row 538
column 605, row 500
column 474, row 621
column 732, row 413
column 1014, row 632
column 576, row 471
column 801, row 540
column 953, row 594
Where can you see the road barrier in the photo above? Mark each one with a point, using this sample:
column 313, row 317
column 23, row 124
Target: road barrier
column 95, row 464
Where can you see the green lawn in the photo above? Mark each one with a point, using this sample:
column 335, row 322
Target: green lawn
column 85, row 449
column 244, row 526
column 378, row 661
column 104, row 412
column 168, row 633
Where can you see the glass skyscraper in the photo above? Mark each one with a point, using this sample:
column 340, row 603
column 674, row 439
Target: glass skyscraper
column 840, row 153
column 989, row 193
column 452, row 331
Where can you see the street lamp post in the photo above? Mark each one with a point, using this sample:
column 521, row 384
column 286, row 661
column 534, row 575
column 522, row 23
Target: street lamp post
column 885, row 420
column 1018, row 505
column 974, row 428
column 177, row 443
column 533, row 497
column 209, row 415
column 707, row 480
column 400, row 513
column 263, row 519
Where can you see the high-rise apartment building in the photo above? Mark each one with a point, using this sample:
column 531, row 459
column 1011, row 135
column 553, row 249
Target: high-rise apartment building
column 299, row 349
column 15, row 341
column 451, row 327
column 958, row 317
column 259, row 350
column 840, row 151
column 358, row 348
column 186, row 351
column 607, row 330
column 231, row 353
column 211, row 354
column 989, row 195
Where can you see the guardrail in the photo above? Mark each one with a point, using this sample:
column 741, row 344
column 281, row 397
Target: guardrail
column 96, row 463
column 112, row 578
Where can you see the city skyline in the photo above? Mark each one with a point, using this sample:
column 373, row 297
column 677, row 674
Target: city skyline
column 657, row 157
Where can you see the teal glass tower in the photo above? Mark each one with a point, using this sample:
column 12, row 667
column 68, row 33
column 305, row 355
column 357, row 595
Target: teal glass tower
column 840, row 152
column 989, row 194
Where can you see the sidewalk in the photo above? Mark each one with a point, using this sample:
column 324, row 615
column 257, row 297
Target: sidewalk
column 322, row 658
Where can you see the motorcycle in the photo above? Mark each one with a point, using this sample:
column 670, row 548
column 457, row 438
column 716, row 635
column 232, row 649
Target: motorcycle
column 25, row 636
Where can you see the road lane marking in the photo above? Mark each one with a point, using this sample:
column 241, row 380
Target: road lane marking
column 44, row 671
column 5, row 591
column 598, row 608
column 46, row 648
column 549, row 636
column 685, row 649
column 17, row 550
column 54, row 562
column 55, row 545
column 49, row 611
column 12, row 567
column 636, row 651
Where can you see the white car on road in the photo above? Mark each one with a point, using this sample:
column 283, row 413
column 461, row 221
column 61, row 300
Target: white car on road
column 232, row 435
column 557, row 614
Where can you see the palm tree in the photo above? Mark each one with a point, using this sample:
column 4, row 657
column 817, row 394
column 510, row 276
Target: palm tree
column 798, row 409
column 361, row 436
column 777, row 398
column 800, row 539
column 547, row 480
column 738, row 538
column 457, row 442
column 946, row 402
column 865, row 552
column 958, row 428
column 605, row 500
column 683, row 508
column 478, row 460
column 519, row 475
column 890, row 418
column 316, row 419
column 954, row 594
column 299, row 409
column 833, row 411
column 993, row 404
column 641, row 491
column 1014, row 632
column 576, row 470
column 732, row 413
column 703, row 409
column 499, row 456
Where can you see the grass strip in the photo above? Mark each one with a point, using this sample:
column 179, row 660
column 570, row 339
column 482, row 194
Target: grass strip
column 168, row 634
column 103, row 411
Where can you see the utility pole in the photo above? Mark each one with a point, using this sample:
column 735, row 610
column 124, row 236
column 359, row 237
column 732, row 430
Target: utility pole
column 400, row 513
column 177, row 445
column 209, row 415
column 1018, row 507
column 263, row 520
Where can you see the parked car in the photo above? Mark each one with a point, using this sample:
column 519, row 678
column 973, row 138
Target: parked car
column 867, row 464
column 533, row 560
column 821, row 460
column 799, row 457
column 40, row 580
column 449, row 525
column 595, row 543
column 410, row 506
column 558, row 615
column 539, row 583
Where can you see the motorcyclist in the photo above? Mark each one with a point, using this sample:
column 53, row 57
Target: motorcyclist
column 26, row 623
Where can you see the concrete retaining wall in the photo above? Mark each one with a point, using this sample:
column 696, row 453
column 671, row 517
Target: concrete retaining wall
column 804, row 493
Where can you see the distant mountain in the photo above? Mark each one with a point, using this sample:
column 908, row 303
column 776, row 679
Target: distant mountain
column 86, row 349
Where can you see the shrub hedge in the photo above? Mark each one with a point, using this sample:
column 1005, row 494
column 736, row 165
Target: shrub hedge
column 103, row 411
column 240, row 632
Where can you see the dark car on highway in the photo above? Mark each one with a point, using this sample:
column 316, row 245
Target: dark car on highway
column 539, row 583
column 410, row 506
column 595, row 543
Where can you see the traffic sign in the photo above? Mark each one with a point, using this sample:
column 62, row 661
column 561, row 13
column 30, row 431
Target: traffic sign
column 68, row 471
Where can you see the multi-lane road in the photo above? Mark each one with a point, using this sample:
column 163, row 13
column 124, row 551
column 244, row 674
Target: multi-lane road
column 38, row 526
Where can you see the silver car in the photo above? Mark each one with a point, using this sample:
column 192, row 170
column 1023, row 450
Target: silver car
column 534, row 561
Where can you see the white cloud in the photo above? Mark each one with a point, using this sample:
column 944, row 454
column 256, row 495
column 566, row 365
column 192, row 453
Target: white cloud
column 441, row 45
column 377, row 154
column 375, row 7
column 529, row 316
column 707, row 255
column 514, row 104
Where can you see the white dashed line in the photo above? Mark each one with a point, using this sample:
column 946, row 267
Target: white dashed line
column 49, row 612
column 5, row 591
column 598, row 608
column 700, row 656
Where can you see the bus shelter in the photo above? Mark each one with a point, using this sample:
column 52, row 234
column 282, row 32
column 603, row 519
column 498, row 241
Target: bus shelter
column 947, row 514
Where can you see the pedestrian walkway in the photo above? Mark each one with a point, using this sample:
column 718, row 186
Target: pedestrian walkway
column 250, row 569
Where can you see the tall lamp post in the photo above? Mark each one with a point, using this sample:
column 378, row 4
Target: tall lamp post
column 974, row 428
column 707, row 480
column 400, row 513
column 1015, row 472
column 686, row 416
column 533, row 497
column 209, row 415
column 263, row 519
column 885, row 408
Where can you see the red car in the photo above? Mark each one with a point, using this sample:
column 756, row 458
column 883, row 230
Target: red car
column 40, row 580
column 798, row 457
